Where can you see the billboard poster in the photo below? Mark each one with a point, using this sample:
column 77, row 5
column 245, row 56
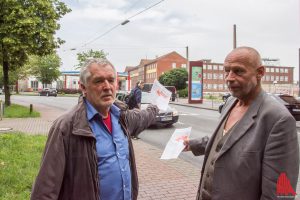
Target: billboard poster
column 196, row 86
column 195, row 82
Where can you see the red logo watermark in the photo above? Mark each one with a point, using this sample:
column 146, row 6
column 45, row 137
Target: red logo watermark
column 284, row 188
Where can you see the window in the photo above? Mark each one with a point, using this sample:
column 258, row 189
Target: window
column 204, row 75
column 281, row 78
column 209, row 86
column 205, row 86
column 183, row 65
column 221, row 76
column 220, row 86
column 173, row 65
column 277, row 70
column 272, row 69
column 286, row 78
column 281, row 70
column 277, row 78
column 221, row 67
column 204, row 66
column 225, row 87
column 286, row 70
column 267, row 78
column 215, row 67
column 209, row 76
column 215, row 76
column 215, row 86
column 209, row 67
column 267, row 69
column 272, row 78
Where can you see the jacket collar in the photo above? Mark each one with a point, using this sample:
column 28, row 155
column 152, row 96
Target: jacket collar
column 243, row 125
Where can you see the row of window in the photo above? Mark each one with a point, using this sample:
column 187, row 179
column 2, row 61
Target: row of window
column 215, row 86
column 265, row 78
column 268, row 69
column 275, row 78
column 281, row 70
column 151, row 75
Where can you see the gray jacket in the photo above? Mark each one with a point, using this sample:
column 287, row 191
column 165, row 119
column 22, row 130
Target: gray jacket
column 261, row 146
column 69, row 164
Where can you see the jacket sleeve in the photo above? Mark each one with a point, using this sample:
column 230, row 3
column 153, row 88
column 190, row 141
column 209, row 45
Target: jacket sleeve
column 138, row 120
column 49, row 179
column 281, row 156
column 198, row 145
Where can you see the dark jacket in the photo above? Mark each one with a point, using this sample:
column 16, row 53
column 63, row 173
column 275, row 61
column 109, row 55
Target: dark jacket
column 69, row 164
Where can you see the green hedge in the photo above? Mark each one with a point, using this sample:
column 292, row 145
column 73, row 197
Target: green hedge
column 183, row 92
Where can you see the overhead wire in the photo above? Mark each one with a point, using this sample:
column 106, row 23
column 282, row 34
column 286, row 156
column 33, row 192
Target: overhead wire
column 122, row 23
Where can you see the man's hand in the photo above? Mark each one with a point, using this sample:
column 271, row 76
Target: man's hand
column 186, row 142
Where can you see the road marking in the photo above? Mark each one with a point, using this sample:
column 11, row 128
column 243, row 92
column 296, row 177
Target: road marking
column 188, row 114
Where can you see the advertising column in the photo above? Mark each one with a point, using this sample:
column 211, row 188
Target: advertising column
column 196, row 82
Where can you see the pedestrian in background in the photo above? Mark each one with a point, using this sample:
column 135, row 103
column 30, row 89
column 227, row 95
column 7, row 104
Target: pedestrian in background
column 89, row 153
column 135, row 96
column 254, row 143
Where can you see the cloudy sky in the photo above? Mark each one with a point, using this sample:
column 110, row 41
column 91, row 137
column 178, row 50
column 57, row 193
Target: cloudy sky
column 205, row 26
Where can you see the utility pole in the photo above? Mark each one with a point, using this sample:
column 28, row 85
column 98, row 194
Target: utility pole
column 234, row 36
column 187, row 59
column 299, row 74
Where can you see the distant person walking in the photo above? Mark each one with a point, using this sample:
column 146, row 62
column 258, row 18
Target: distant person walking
column 135, row 96
column 254, row 152
column 89, row 153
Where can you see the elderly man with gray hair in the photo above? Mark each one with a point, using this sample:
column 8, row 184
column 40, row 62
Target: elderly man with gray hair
column 89, row 153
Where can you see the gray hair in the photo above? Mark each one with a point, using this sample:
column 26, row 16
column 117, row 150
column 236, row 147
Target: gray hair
column 85, row 72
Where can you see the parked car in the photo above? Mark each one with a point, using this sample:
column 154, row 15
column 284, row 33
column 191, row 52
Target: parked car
column 164, row 118
column 1, row 91
column 290, row 102
column 122, row 95
column 224, row 98
column 48, row 92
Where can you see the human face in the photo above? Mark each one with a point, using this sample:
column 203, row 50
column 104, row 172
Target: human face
column 241, row 75
column 100, row 89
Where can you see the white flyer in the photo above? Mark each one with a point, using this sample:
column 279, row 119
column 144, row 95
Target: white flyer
column 161, row 95
column 175, row 144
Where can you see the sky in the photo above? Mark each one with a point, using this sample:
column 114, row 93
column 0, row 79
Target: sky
column 205, row 26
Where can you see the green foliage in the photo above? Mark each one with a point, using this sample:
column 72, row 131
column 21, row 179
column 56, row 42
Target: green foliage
column 183, row 92
column 176, row 77
column 45, row 68
column 20, row 157
column 27, row 27
column 17, row 111
column 82, row 57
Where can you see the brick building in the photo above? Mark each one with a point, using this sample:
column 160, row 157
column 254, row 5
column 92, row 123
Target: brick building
column 150, row 69
column 276, row 77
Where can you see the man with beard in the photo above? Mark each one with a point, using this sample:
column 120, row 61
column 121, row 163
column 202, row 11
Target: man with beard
column 254, row 143
column 89, row 153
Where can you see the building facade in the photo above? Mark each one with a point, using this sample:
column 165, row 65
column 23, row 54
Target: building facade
column 149, row 70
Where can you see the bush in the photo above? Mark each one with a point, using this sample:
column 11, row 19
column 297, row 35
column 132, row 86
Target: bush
column 183, row 92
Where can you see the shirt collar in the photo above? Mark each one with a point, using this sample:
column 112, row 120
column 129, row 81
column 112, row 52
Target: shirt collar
column 92, row 112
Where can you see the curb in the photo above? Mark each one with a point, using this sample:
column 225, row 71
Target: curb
column 193, row 106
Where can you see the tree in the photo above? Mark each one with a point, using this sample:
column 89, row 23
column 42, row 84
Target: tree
column 82, row 57
column 45, row 68
column 176, row 77
column 27, row 28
